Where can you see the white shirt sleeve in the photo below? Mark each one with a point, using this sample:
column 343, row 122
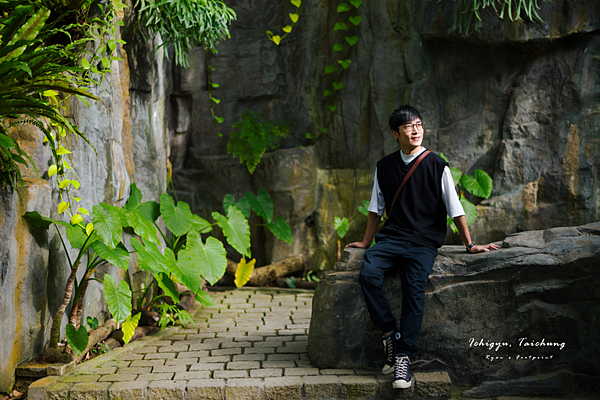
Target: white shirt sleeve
column 377, row 203
column 449, row 195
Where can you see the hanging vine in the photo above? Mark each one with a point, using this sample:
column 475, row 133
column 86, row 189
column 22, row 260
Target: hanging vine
column 347, row 28
column 288, row 28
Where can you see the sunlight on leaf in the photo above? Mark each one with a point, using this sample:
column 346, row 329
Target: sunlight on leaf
column 243, row 272
column 129, row 326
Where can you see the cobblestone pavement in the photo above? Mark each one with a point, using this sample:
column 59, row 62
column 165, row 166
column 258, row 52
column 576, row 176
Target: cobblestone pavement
column 251, row 345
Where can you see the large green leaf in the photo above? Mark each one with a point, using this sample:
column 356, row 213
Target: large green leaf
column 119, row 256
column 77, row 339
column 129, row 326
column 210, row 258
column 167, row 285
column 281, row 229
column 261, row 203
column 364, row 208
column 150, row 257
column 149, row 210
column 341, row 226
column 135, row 198
column 236, row 229
column 108, row 226
column 201, row 225
column 185, row 270
column 77, row 237
column 141, row 226
column 27, row 31
column 243, row 205
column 480, row 184
column 117, row 298
column 470, row 210
column 205, row 299
column 35, row 219
column 456, row 175
column 178, row 219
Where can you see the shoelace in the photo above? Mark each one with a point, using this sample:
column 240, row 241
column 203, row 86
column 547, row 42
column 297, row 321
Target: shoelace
column 389, row 349
column 401, row 369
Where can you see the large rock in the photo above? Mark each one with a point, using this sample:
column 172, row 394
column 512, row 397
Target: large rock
column 524, row 317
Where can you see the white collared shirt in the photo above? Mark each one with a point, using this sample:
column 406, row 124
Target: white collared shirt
column 449, row 196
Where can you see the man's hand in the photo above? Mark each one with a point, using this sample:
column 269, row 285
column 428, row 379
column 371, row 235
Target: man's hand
column 360, row 245
column 480, row 248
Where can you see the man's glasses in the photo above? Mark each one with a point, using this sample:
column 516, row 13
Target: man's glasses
column 416, row 126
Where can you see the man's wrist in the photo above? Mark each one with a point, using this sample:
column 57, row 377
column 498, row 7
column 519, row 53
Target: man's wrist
column 470, row 247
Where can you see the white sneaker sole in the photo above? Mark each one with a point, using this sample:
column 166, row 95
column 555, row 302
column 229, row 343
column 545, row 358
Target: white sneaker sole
column 387, row 369
column 402, row 384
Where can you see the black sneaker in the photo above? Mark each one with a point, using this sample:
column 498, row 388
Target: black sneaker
column 402, row 372
column 388, row 351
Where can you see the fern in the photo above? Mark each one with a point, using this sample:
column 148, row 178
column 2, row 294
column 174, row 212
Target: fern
column 253, row 136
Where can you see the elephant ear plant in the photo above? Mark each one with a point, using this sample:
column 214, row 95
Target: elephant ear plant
column 480, row 185
column 187, row 258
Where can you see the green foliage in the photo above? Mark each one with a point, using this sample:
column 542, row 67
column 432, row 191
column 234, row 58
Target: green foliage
column 178, row 219
column 480, row 185
column 185, row 24
column 77, row 338
column 129, row 326
column 263, row 207
column 467, row 13
column 287, row 29
column 92, row 322
column 118, row 298
column 341, row 226
column 345, row 26
column 37, row 65
column 171, row 313
column 252, row 136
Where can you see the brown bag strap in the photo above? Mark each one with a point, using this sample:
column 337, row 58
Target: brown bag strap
column 406, row 179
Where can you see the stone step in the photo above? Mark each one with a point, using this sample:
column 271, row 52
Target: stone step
column 426, row 385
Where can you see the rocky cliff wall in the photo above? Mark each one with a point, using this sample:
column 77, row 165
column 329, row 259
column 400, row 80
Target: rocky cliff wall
column 127, row 129
column 519, row 100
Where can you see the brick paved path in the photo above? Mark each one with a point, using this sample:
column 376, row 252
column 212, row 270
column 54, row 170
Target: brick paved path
column 251, row 345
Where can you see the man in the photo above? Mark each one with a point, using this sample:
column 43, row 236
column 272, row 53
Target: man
column 409, row 239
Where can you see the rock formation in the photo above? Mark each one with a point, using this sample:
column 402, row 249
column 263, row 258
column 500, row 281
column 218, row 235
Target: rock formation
column 518, row 100
column 522, row 320
column 128, row 134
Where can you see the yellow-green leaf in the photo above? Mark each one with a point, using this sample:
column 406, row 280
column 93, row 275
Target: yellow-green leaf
column 129, row 326
column 294, row 17
column 76, row 219
column 89, row 228
column 296, row 3
column 50, row 93
column 85, row 64
column 83, row 211
column 64, row 184
column 62, row 207
column 287, row 28
column 243, row 272
column 52, row 170
column 276, row 39
column 62, row 151
column 75, row 184
column 76, row 198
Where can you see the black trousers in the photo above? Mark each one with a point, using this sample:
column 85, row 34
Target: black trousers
column 415, row 263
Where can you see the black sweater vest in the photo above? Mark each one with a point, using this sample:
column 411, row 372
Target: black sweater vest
column 419, row 214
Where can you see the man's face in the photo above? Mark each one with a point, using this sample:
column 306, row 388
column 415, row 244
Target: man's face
column 410, row 136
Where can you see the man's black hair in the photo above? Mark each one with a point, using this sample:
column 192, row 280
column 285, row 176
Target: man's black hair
column 402, row 116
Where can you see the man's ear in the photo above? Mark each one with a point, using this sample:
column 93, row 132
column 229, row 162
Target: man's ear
column 396, row 134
